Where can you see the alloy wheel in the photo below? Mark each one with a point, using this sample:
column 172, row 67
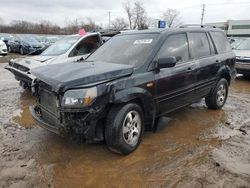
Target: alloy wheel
column 131, row 128
column 221, row 94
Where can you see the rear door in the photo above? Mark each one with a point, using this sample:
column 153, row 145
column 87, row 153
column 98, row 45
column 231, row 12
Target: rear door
column 203, row 52
column 175, row 86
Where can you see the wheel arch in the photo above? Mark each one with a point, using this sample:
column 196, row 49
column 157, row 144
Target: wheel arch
column 224, row 72
column 141, row 97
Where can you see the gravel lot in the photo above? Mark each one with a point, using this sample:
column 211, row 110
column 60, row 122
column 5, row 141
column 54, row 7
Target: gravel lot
column 198, row 148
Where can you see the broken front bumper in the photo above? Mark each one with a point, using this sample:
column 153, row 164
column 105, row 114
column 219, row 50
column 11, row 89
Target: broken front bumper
column 21, row 75
column 88, row 125
column 37, row 118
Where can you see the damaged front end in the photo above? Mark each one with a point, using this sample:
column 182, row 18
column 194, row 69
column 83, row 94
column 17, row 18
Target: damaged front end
column 74, row 98
column 77, row 113
column 21, row 73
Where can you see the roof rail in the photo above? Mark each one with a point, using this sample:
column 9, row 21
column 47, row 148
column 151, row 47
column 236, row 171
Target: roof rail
column 197, row 25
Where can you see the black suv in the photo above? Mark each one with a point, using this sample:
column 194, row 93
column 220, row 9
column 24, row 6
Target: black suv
column 135, row 78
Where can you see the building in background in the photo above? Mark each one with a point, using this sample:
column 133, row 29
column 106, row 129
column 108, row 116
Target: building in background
column 234, row 28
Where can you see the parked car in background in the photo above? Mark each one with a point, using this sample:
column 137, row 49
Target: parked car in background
column 53, row 39
column 131, row 81
column 73, row 48
column 25, row 44
column 5, row 37
column 242, row 52
column 3, row 48
column 235, row 41
column 43, row 40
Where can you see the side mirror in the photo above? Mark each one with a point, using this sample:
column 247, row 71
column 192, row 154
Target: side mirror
column 166, row 62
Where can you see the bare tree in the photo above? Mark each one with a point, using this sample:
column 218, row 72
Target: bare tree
column 137, row 16
column 140, row 16
column 128, row 9
column 172, row 17
column 119, row 24
column 90, row 25
column 73, row 26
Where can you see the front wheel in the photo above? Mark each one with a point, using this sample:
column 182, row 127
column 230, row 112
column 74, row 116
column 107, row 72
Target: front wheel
column 9, row 49
column 218, row 96
column 124, row 127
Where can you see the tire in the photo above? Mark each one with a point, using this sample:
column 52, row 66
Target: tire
column 218, row 96
column 9, row 49
column 120, row 136
column 21, row 51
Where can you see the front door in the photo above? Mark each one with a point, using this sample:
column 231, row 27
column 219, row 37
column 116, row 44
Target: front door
column 175, row 86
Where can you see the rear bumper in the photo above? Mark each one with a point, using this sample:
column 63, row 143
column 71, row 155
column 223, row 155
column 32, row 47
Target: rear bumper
column 242, row 68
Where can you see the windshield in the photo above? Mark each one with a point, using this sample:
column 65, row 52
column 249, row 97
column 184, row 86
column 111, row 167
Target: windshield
column 61, row 46
column 245, row 45
column 28, row 38
column 130, row 49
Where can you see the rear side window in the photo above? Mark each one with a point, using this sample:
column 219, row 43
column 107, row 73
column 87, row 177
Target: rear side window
column 221, row 43
column 176, row 45
column 199, row 44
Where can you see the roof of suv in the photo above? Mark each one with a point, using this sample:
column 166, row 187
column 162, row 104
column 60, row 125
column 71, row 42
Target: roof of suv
column 170, row 30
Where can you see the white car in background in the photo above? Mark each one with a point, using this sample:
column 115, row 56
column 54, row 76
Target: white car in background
column 73, row 48
column 242, row 52
column 3, row 48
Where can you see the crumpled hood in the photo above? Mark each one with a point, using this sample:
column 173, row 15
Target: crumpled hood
column 41, row 58
column 33, row 61
column 67, row 75
column 242, row 53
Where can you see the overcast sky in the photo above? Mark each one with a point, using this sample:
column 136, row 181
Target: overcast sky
column 60, row 11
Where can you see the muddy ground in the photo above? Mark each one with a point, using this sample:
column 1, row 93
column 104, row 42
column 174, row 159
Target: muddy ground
column 6, row 58
column 198, row 148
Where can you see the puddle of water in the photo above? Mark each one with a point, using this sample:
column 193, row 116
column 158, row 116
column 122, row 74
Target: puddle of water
column 24, row 117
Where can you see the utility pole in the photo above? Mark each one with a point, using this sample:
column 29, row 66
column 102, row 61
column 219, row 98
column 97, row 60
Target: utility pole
column 109, row 19
column 202, row 13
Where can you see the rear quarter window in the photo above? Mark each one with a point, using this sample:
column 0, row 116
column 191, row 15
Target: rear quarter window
column 221, row 42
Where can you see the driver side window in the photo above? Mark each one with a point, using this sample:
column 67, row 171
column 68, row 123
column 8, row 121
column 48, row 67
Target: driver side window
column 177, row 46
column 86, row 46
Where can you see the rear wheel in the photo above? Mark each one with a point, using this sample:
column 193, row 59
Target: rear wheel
column 21, row 51
column 218, row 96
column 124, row 127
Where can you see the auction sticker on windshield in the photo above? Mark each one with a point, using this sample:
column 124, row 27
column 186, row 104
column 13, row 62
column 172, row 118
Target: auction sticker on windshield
column 143, row 41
